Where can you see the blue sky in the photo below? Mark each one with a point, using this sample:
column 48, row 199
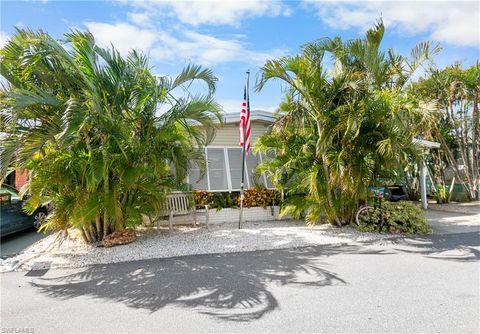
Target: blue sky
column 233, row 36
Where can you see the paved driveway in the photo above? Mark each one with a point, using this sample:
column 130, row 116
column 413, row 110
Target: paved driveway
column 412, row 285
column 15, row 243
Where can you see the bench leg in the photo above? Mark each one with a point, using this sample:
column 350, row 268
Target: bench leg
column 194, row 217
column 170, row 221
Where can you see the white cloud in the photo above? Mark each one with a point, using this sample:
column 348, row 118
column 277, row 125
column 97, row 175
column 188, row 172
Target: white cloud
column 4, row 37
column 446, row 21
column 181, row 45
column 139, row 18
column 123, row 36
column 159, row 29
column 207, row 50
column 215, row 12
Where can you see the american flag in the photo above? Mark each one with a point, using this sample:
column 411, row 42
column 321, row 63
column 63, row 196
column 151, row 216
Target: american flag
column 245, row 121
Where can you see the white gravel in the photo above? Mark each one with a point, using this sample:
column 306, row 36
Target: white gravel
column 55, row 252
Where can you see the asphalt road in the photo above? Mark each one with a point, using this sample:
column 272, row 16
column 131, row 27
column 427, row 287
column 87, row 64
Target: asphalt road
column 15, row 243
column 414, row 285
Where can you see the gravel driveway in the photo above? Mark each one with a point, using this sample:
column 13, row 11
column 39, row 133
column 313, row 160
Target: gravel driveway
column 185, row 240
column 221, row 238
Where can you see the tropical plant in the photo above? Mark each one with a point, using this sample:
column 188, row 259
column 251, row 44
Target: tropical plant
column 223, row 200
column 216, row 200
column 441, row 194
column 253, row 197
column 457, row 92
column 341, row 128
column 399, row 217
column 203, row 197
column 261, row 197
column 102, row 137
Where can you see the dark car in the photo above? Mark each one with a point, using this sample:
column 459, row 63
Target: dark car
column 392, row 193
column 398, row 193
column 12, row 217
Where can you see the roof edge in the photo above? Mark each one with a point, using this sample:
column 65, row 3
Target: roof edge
column 425, row 143
column 255, row 115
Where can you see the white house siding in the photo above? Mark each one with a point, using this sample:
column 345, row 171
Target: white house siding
column 228, row 135
column 224, row 161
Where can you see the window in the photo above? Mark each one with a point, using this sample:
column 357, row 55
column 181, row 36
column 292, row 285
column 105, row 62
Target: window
column 195, row 178
column 224, row 170
column 252, row 162
column 235, row 163
column 217, row 171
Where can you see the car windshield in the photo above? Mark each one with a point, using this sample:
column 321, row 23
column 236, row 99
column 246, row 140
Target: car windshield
column 396, row 190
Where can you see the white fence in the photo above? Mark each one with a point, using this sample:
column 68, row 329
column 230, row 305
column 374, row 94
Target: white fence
column 249, row 215
column 232, row 215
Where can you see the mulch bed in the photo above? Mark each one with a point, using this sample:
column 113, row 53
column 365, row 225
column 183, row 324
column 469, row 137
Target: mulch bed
column 119, row 238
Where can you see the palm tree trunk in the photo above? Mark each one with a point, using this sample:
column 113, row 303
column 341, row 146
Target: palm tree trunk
column 319, row 152
column 453, row 163
column 106, row 186
column 106, row 226
column 98, row 225
column 84, row 235
column 92, row 232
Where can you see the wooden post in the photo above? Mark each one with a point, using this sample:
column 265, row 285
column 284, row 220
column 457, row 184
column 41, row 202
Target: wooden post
column 170, row 221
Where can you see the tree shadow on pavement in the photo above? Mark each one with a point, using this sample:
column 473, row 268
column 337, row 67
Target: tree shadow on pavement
column 461, row 247
column 453, row 246
column 234, row 286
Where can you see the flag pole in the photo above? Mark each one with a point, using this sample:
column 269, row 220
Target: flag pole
column 243, row 152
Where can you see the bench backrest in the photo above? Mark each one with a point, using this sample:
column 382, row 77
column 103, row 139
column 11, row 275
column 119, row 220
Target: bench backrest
column 179, row 203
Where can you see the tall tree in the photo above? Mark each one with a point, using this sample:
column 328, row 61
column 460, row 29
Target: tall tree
column 457, row 91
column 342, row 127
column 102, row 137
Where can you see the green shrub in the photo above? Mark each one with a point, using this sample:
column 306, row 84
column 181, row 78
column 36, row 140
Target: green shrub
column 399, row 217
column 224, row 200
column 217, row 201
column 441, row 194
column 253, row 197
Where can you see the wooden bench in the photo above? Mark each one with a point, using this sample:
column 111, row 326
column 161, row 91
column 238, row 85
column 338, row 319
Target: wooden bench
column 181, row 205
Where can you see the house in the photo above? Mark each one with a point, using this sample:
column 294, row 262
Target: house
column 224, row 156
column 16, row 178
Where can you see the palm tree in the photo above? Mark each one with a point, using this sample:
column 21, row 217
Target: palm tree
column 457, row 91
column 103, row 138
column 341, row 127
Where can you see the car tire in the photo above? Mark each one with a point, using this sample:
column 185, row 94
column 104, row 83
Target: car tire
column 39, row 217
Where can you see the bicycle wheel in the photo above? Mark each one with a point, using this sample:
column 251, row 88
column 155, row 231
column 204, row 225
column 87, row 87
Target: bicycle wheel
column 363, row 214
